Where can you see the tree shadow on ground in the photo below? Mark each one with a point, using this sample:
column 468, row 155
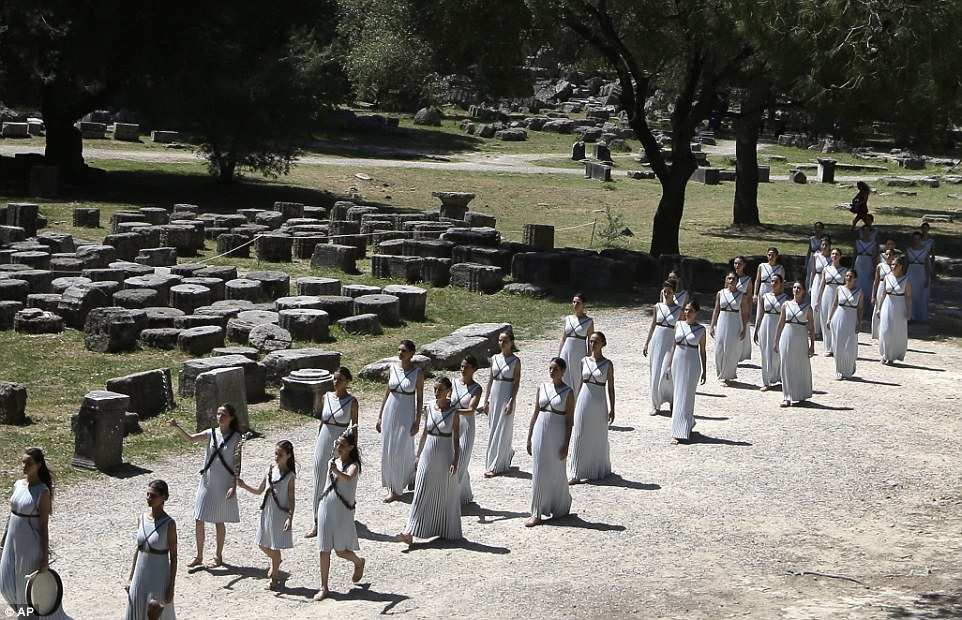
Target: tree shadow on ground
column 396, row 143
column 463, row 544
column 363, row 592
column 930, row 606
column 701, row 438
column 476, row 510
column 614, row 480
column 573, row 520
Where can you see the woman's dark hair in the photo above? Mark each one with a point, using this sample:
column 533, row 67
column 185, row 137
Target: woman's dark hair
column 344, row 372
column 853, row 272
column 409, row 345
column 733, row 274
column 580, row 296
column 288, row 448
column 229, row 408
column 669, row 284
column 863, row 186
column 694, row 304
column 925, row 225
column 604, row 340
column 777, row 275
column 773, row 249
column 742, row 259
column 160, row 486
column 900, row 261
column 350, row 436
column 818, row 224
column 827, row 239
column 43, row 472
column 800, row 283
column 560, row 363
column 917, row 233
column 445, row 382
column 510, row 334
column 472, row 361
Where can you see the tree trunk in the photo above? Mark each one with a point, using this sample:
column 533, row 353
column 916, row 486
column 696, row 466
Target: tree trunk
column 64, row 145
column 226, row 167
column 745, row 207
column 667, row 221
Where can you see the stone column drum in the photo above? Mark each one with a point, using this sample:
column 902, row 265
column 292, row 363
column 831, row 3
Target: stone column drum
column 99, row 430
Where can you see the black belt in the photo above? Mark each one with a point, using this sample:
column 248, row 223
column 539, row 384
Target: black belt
column 896, row 294
column 593, row 382
column 333, row 423
column 575, row 336
column 25, row 516
column 662, row 324
column 439, row 434
column 401, row 392
column 511, row 380
column 797, row 323
column 549, row 410
column 726, row 310
column 145, row 548
column 685, row 344
column 848, row 306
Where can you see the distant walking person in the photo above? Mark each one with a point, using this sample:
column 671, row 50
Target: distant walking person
column 845, row 320
column 795, row 345
column 687, row 366
column 661, row 330
column 859, row 204
column 150, row 585
column 895, row 308
column 766, row 326
column 500, row 397
column 729, row 322
column 594, row 411
column 549, row 435
column 466, row 394
column 398, row 421
column 574, row 341
column 917, row 256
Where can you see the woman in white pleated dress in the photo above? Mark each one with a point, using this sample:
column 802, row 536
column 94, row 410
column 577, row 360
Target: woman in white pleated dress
column 895, row 308
column 216, row 499
column 466, row 394
column 687, row 366
column 917, row 256
column 845, row 319
column 729, row 322
column 661, row 330
column 336, row 528
column 883, row 269
column 499, row 401
column 277, row 508
column 766, row 325
column 574, row 340
column 153, row 573
column 744, row 286
column 549, row 436
column 765, row 273
column 26, row 548
column 819, row 262
column 866, row 258
column 398, row 421
column 436, row 507
column 795, row 344
column 339, row 410
column 678, row 285
column 833, row 277
column 594, row 411
column 814, row 249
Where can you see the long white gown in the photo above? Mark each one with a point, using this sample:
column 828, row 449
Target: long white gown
column 796, row 366
column 893, row 329
column 865, row 252
column 274, row 511
column 466, row 431
column 549, row 484
column 497, row 457
column 397, row 443
column 21, row 552
column 745, row 287
column 833, row 278
column 920, row 289
column 845, row 331
column 211, row 504
column 728, row 346
column 814, row 248
column 820, row 262
column 575, row 347
column 884, row 269
column 152, row 570
column 767, row 329
column 765, row 282
column 685, row 374
column 335, row 418
column 336, row 529
column 436, row 508
column 590, row 457
column 659, row 386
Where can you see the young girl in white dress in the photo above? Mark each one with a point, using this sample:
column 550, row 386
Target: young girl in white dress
column 153, row 573
column 398, row 421
column 436, row 507
column 549, row 436
column 26, row 548
column 499, row 401
column 895, row 308
column 339, row 411
column 594, row 411
column 466, row 394
column 878, row 286
column 216, row 499
column 845, row 318
column 795, row 344
column 687, row 366
column 578, row 328
column 336, row 528
column 277, row 508
column 766, row 325
column 833, row 276
column 814, row 249
column 819, row 262
column 729, row 323
column 744, row 286
column 765, row 273
column 866, row 257
column 661, row 330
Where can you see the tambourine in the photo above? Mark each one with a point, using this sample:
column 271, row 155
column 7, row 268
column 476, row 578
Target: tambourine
column 44, row 592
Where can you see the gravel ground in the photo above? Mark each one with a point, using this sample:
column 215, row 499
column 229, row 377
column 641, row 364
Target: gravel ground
column 861, row 485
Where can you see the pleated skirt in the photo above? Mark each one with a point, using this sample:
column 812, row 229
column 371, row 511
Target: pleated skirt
column 893, row 330
column 771, row 360
column 397, row 444
column 824, row 310
column 865, row 266
column 876, row 316
column 659, row 387
column 920, row 293
column 323, row 453
column 211, row 504
column 590, row 458
column 270, row 529
column 498, row 456
column 436, row 508
column 336, row 529
column 685, row 373
column 845, row 339
column 21, row 556
column 728, row 346
column 151, row 574
column 572, row 352
column 816, row 310
column 466, row 443
column 550, row 495
column 796, row 367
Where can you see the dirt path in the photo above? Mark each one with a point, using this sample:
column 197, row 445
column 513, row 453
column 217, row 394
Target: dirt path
column 863, row 484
